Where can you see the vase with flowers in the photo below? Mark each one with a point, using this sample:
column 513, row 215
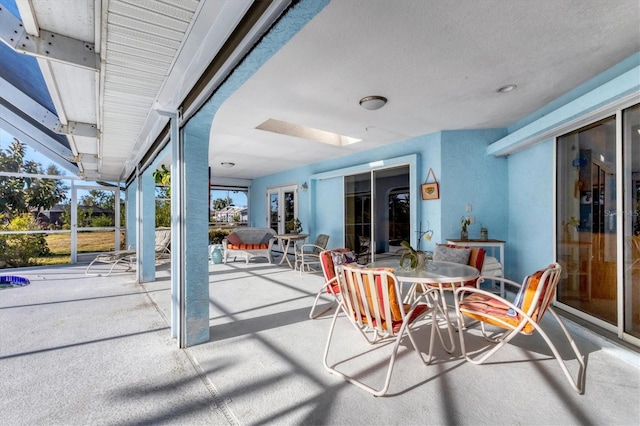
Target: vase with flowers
column 464, row 231
column 569, row 227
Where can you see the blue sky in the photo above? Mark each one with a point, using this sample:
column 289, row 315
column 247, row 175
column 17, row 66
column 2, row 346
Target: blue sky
column 6, row 139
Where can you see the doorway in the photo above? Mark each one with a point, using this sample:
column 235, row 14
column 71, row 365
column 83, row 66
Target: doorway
column 377, row 211
column 282, row 207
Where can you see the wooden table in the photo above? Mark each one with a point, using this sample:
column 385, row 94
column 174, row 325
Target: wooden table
column 284, row 240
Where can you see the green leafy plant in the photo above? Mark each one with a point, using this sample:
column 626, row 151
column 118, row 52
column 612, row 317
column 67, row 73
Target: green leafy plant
column 464, row 223
column 293, row 225
column 18, row 250
column 410, row 257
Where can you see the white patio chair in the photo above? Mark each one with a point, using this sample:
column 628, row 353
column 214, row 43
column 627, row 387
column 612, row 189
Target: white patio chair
column 523, row 316
column 371, row 301
column 308, row 255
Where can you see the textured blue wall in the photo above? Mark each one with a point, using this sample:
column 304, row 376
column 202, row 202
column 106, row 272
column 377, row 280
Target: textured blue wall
column 531, row 212
column 459, row 160
column 512, row 196
column 470, row 176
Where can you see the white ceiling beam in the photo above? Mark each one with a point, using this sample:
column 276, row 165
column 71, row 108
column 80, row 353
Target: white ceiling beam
column 28, row 15
column 25, row 132
column 48, row 45
column 43, row 116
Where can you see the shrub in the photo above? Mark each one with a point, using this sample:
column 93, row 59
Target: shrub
column 216, row 235
column 18, row 250
column 102, row 221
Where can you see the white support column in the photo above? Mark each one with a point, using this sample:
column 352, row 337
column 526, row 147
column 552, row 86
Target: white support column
column 74, row 224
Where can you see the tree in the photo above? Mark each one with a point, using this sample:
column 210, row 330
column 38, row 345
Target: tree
column 26, row 194
column 221, row 203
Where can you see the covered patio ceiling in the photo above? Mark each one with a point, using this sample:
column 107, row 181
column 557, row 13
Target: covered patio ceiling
column 439, row 64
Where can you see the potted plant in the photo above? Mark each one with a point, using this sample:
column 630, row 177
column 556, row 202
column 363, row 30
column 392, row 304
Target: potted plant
column 412, row 259
column 464, row 232
column 294, row 226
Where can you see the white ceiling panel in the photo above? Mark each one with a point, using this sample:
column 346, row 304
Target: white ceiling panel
column 439, row 64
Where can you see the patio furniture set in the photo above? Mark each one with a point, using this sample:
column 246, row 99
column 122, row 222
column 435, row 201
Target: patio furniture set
column 384, row 304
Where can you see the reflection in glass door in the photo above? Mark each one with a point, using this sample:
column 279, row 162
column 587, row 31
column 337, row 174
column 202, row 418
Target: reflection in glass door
column 357, row 202
column 598, row 222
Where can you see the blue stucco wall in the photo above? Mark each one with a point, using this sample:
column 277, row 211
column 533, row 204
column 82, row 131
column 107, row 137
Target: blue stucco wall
column 458, row 158
column 470, row 176
column 511, row 195
column 531, row 211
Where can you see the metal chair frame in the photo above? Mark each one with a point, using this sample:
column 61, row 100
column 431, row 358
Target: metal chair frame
column 540, row 303
column 372, row 319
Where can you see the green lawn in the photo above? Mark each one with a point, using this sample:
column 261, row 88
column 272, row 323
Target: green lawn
column 88, row 242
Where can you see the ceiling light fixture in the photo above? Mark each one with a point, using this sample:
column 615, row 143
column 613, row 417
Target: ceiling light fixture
column 508, row 88
column 373, row 102
column 227, row 164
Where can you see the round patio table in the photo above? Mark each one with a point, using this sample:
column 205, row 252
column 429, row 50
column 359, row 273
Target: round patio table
column 437, row 274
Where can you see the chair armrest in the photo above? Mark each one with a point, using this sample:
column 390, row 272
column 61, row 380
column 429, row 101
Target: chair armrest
column 302, row 253
column 482, row 278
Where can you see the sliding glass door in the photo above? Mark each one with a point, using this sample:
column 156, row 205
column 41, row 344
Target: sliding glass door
column 598, row 221
column 377, row 211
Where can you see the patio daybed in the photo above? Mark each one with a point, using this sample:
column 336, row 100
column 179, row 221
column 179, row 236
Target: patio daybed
column 248, row 243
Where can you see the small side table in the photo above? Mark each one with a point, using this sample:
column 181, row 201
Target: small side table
column 284, row 240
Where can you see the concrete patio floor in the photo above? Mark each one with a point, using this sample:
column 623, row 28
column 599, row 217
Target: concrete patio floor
column 77, row 350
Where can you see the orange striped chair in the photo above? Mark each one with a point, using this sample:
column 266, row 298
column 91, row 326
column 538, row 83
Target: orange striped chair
column 371, row 299
column 522, row 316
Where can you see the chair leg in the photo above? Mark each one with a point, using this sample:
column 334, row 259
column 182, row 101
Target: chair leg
column 350, row 379
column 315, row 302
column 406, row 327
column 578, row 384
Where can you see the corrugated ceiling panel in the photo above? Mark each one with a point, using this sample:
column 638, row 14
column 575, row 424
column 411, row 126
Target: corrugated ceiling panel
column 162, row 15
column 143, row 40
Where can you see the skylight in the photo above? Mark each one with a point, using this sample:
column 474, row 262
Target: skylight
column 299, row 131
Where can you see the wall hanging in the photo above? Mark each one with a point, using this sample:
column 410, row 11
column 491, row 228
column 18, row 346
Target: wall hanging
column 430, row 190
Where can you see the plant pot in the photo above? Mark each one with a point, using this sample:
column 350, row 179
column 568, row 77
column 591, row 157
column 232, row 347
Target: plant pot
column 464, row 235
column 484, row 235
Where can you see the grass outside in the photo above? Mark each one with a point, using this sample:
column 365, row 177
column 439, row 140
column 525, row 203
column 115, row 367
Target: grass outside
column 88, row 242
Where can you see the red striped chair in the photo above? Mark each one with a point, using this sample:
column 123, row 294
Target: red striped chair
column 371, row 299
column 522, row 316
column 330, row 285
